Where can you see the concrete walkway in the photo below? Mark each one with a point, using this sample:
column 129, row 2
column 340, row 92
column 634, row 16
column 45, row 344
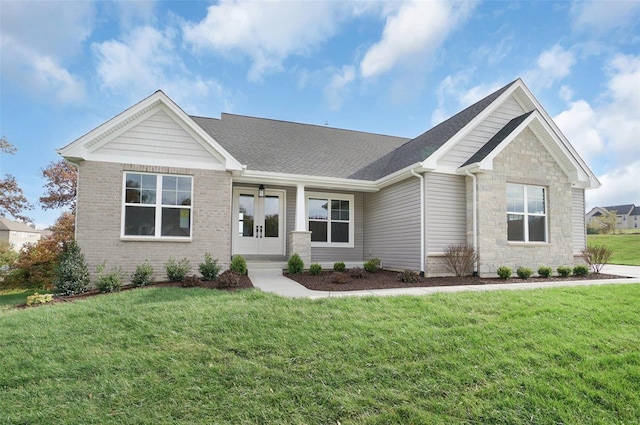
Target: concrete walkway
column 274, row 282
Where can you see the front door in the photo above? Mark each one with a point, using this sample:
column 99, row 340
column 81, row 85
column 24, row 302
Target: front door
column 258, row 223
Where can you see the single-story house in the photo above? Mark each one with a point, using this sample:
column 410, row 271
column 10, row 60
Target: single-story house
column 626, row 215
column 18, row 234
column 155, row 182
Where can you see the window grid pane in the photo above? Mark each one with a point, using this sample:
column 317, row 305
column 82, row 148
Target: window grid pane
column 526, row 213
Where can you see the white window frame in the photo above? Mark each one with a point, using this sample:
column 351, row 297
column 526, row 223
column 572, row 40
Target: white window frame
column 526, row 214
column 158, row 207
column 332, row 197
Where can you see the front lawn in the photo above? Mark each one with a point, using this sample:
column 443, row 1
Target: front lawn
column 196, row 356
column 625, row 247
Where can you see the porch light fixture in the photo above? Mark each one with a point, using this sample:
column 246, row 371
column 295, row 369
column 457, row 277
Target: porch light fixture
column 261, row 191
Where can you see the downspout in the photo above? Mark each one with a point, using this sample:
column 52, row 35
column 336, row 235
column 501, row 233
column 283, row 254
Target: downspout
column 475, row 219
column 422, row 257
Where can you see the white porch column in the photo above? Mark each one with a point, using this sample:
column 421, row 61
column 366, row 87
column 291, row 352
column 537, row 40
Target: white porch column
column 300, row 209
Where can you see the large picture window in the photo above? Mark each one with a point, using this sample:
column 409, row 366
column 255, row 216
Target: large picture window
column 526, row 213
column 330, row 219
column 157, row 205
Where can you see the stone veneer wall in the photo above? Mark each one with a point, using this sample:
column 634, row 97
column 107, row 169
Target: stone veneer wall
column 99, row 212
column 523, row 161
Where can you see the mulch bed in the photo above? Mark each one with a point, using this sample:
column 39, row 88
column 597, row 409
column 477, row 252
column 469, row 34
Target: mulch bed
column 386, row 279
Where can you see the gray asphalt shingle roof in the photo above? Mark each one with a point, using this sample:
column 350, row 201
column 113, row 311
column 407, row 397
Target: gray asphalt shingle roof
column 621, row 209
column 6, row 224
column 287, row 147
column 493, row 143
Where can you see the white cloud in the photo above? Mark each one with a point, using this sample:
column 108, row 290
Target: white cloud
column 619, row 186
column 266, row 32
column 603, row 16
column 336, row 90
column 415, row 31
column 579, row 125
column 552, row 65
column 35, row 46
column 145, row 61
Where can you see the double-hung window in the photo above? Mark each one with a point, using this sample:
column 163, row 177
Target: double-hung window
column 157, row 206
column 330, row 219
column 526, row 213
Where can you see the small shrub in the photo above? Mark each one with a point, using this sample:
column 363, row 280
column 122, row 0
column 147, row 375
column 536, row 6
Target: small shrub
column 597, row 256
column 209, row 269
column 229, row 279
column 357, row 273
column 315, row 269
column 504, row 272
column 192, row 281
column 339, row 266
column 109, row 282
column 340, row 277
column 408, row 276
column 73, row 273
column 295, row 264
column 143, row 275
column 39, row 298
column 372, row 265
column 545, row 271
column 581, row 270
column 524, row 272
column 460, row 258
column 176, row 272
column 238, row 264
column 564, row 271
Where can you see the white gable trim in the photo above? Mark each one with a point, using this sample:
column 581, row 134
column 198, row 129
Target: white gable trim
column 82, row 148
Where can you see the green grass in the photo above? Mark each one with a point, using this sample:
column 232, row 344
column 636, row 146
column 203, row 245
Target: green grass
column 10, row 298
column 196, row 356
column 625, row 247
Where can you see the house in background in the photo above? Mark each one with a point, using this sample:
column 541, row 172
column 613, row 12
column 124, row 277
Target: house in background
column 156, row 183
column 627, row 216
column 18, row 234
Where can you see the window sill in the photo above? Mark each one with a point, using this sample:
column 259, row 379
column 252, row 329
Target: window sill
column 331, row 245
column 531, row 244
column 154, row 239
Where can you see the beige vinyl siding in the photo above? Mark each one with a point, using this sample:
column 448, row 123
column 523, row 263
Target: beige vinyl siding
column 577, row 220
column 446, row 221
column 158, row 137
column 480, row 135
column 333, row 254
column 392, row 225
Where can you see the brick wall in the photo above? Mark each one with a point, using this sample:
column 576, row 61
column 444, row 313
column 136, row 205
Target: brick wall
column 99, row 215
column 523, row 161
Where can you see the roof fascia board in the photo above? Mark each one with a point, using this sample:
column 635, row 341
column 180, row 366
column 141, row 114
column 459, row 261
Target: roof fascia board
column 431, row 161
column 254, row 176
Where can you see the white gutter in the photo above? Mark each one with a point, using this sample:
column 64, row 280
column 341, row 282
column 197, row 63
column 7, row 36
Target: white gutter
column 421, row 177
column 475, row 219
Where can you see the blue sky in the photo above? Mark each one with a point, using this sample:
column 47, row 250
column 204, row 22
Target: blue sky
column 387, row 67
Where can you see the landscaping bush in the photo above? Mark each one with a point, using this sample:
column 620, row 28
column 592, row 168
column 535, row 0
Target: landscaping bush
column 72, row 275
column 524, row 272
column 191, row 281
column 143, row 275
column 295, row 264
column 597, row 256
column 564, row 271
column 315, row 269
column 504, row 272
column 460, row 258
column 209, row 269
column 372, row 265
column 39, row 298
column 229, row 279
column 177, row 271
column 238, row 264
column 339, row 266
column 545, row 271
column 581, row 270
column 408, row 276
column 340, row 277
column 357, row 273
column 110, row 282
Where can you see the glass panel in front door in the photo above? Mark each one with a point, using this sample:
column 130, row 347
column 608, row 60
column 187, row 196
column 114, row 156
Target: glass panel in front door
column 271, row 216
column 246, row 215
